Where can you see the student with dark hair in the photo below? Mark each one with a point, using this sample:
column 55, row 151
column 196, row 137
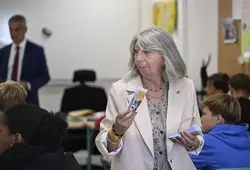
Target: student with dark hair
column 217, row 83
column 31, row 139
column 214, row 84
column 239, row 86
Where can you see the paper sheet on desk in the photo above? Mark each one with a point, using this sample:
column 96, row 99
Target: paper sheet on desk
column 193, row 130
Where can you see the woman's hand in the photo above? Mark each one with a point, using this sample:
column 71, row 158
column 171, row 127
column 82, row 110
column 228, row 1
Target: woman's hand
column 187, row 140
column 123, row 121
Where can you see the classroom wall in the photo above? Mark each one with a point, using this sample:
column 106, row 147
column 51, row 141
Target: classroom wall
column 202, row 37
column 86, row 33
column 96, row 34
column 197, row 35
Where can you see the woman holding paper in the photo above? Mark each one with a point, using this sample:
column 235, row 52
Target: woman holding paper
column 138, row 139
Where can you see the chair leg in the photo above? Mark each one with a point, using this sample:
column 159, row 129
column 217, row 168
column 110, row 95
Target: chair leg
column 90, row 133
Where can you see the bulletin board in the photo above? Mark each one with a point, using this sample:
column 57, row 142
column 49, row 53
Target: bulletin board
column 228, row 53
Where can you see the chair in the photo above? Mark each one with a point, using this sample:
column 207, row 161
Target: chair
column 84, row 96
column 81, row 97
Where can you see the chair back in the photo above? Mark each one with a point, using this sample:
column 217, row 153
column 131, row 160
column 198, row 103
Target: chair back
column 84, row 96
column 83, row 76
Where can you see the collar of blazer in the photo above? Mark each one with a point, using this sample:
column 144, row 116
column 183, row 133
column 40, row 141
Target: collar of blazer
column 142, row 118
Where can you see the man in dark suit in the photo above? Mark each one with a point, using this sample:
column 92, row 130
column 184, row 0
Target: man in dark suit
column 23, row 61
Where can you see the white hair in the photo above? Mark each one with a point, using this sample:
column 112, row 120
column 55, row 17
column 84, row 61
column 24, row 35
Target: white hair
column 156, row 39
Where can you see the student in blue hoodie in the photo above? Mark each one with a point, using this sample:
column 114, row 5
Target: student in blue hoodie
column 227, row 144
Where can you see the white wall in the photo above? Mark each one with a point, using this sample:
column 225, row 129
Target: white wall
column 86, row 33
column 202, row 37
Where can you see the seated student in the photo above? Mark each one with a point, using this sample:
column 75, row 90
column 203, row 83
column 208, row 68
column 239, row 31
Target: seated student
column 11, row 93
column 217, row 83
column 239, row 86
column 31, row 139
column 227, row 145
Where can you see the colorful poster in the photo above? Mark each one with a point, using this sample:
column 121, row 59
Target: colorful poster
column 165, row 15
column 245, row 28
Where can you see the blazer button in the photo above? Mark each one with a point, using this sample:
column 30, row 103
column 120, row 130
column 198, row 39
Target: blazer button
column 160, row 152
column 161, row 132
column 157, row 112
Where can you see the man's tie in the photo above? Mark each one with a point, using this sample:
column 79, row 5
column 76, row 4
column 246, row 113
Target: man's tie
column 15, row 65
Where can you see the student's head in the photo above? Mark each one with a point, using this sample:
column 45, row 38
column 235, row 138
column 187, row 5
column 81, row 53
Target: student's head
column 239, row 85
column 11, row 93
column 18, row 28
column 217, row 83
column 32, row 125
column 220, row 109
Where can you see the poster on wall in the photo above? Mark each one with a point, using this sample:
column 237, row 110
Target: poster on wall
column 229, row 30
column 165, row 15
column 245, row 48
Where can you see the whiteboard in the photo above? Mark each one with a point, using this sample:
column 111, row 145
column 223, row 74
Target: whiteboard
column 91, row 34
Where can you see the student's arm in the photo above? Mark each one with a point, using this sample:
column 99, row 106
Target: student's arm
column 203, row 71
column 204, row 77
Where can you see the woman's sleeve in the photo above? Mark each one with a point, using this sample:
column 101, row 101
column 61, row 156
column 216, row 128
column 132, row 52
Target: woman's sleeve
column 196, row 120
column 106, row 124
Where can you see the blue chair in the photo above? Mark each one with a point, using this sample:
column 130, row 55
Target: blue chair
column 235, row 169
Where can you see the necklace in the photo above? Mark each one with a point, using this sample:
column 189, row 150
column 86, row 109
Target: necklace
column 156, row 101
column 154, row 90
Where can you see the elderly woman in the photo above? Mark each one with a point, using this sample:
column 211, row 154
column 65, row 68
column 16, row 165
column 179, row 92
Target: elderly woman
column 139, row 140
